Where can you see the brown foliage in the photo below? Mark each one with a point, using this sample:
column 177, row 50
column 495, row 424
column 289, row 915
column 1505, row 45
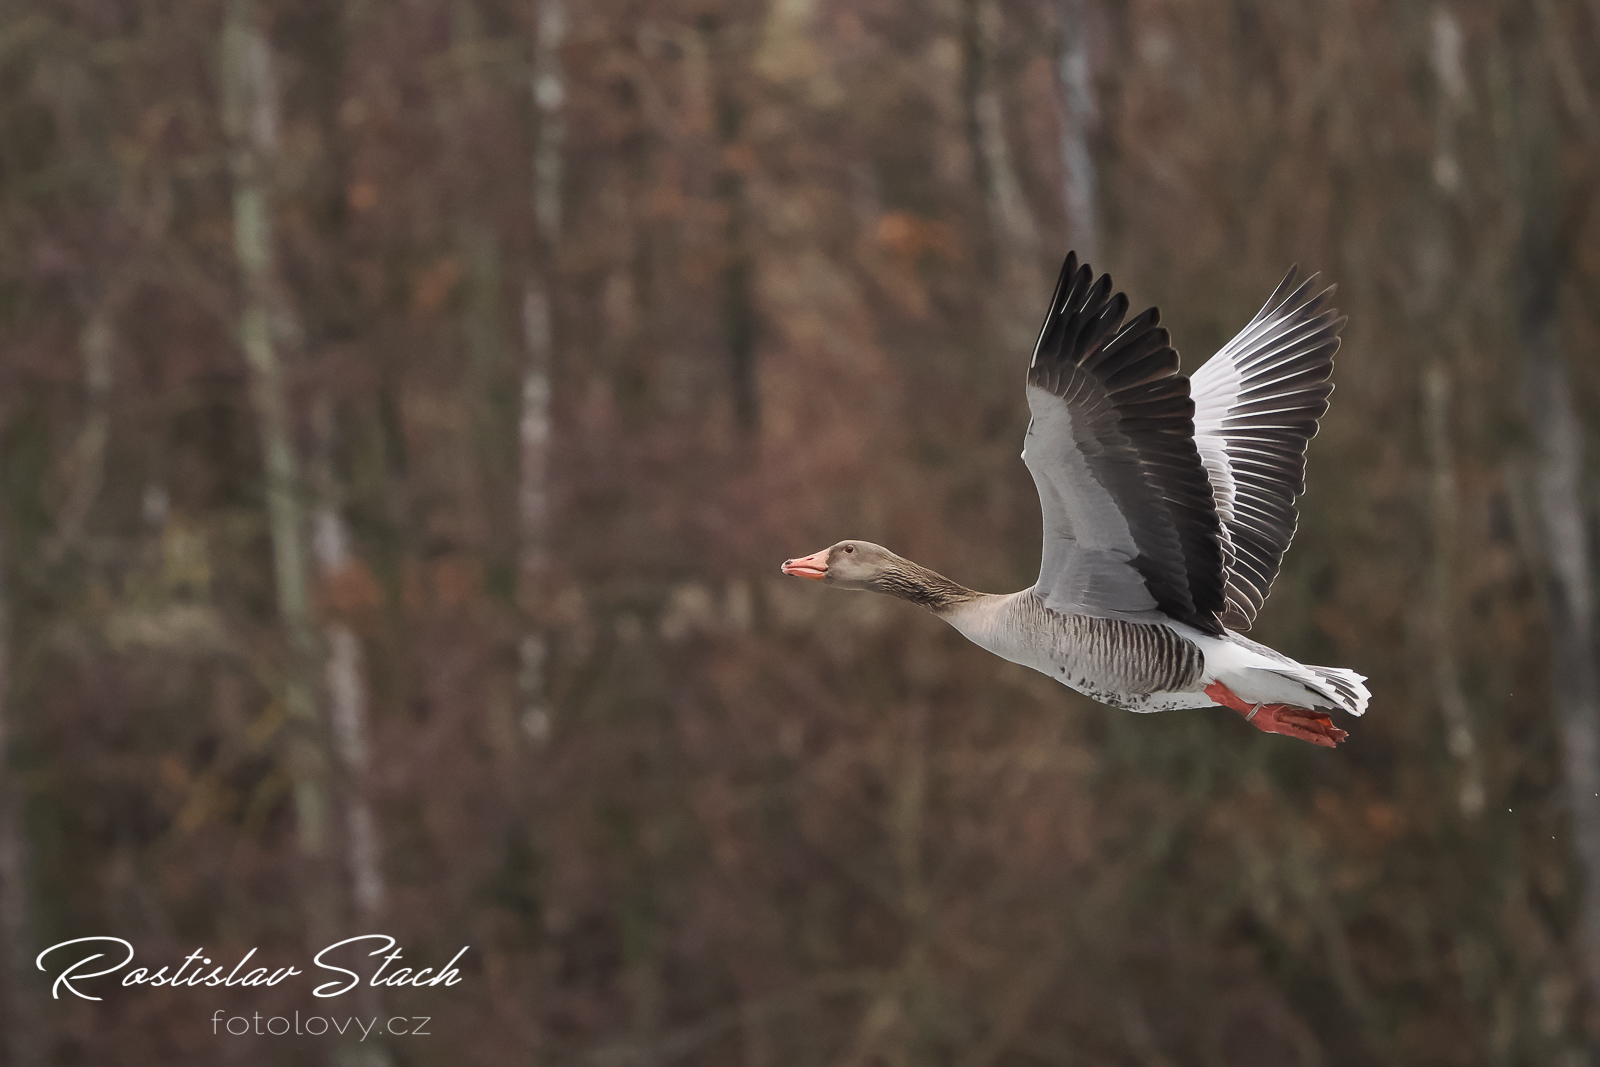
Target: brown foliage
column 772, row 825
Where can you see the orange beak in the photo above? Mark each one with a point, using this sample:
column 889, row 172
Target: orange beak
column 813, row 566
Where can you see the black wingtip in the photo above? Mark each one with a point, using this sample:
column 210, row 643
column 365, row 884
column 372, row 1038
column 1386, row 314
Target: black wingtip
column 1064, row 284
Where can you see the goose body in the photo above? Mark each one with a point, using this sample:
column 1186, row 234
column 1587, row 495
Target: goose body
column 1167, row 505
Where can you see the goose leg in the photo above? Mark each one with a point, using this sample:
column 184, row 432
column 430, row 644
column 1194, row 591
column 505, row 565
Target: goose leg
column 1285, row 719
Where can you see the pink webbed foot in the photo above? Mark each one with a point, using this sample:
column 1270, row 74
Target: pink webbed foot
column 1285, row 719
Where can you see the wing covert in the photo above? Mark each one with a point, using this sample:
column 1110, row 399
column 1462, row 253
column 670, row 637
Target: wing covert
column 1130, row 520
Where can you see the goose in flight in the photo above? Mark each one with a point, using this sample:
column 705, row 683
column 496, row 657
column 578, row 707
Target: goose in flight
column 1168, row 504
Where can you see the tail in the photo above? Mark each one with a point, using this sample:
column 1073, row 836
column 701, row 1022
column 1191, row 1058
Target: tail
column 1343, row 687
column 1236, row 658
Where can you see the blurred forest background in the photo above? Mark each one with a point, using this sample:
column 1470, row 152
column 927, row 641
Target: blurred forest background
column 405, row 407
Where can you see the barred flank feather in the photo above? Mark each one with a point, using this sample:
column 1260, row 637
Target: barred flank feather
column 1128, row 657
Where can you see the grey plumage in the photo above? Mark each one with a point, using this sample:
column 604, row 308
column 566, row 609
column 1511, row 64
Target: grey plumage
column 1126, row 500
column 1110, row 659
column 916, row 583
column 1257, row 403
column 1166, row 513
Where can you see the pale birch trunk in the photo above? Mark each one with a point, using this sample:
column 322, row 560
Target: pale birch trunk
column 1533, row 156
column 251, row 117
column 346, row 680
column 1015, row 231
column 1446, row 42
column 1008, row 207
column 1574, row 681
column 1076, row 114
column 533, row 427
column 16, row 1010
column 1460, row 737
column 89, row 451
column 1440, row 318
column 345, row 677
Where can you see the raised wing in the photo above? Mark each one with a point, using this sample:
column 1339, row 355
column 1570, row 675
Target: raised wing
column 1257, row 403
column 1130, row 526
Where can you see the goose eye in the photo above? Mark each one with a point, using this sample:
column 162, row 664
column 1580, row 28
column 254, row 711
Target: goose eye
column 849, row 548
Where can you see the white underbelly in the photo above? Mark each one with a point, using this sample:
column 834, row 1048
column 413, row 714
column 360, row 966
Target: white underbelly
column 1138, row 702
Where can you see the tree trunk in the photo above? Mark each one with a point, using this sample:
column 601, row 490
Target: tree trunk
column 533, row 427
column 907, row 827
column 1439, row 320
column 1076, row 115
column 1558, row 474
column 16, row 1013
column 89, row 452
column 250, row 109
column 1574, row 683
column 346, row 680
column 736, row 279
column 1460, row 737
column 1015, row 240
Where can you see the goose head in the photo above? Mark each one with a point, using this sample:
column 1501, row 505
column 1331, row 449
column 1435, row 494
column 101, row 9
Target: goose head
column 864, row 565
column 848, row 565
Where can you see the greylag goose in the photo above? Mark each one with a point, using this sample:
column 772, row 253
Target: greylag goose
column 1168, row 504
